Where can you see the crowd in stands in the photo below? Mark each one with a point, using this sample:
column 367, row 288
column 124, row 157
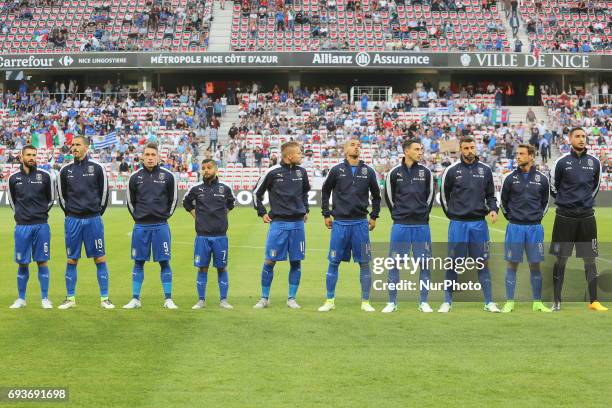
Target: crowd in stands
column 323, row 119
column 590, row 110
column 186, row 124
column 113, row 25
column 415, row 25
column 178, row 121
column 566, row 26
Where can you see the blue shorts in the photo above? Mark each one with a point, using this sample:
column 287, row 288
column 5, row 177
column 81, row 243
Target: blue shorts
column 468, row 238
column 349, row 237
column 529, row 238
column 147, row 236
column 406, row 237
column 286, row 237
column 84, row 231
column 32, row 243
column 205, row 247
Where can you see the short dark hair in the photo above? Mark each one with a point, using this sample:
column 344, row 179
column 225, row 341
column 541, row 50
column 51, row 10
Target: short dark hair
column 206, row 161
column 575, row 129
column 288, row 145
column 151, row 145
column 466, row 139
column 530, row 149
column 85, row 139
column 28, row 147
column 407, row 143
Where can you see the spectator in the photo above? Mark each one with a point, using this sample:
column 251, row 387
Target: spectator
column 518, row 45
column 514, row 24
column 290, row 19
column 213, row 134
column 530, row 94
column 530, row 117
column 280, row 20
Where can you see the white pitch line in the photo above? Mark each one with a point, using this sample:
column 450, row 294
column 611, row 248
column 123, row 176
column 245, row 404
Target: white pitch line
column 605, row 259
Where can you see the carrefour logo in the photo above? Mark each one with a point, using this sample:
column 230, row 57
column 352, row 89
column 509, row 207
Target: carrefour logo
column 66, row 60
column 362, row 59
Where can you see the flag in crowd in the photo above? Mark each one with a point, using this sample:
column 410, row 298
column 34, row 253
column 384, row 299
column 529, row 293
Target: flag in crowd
column 499, row 116
column 102, row 142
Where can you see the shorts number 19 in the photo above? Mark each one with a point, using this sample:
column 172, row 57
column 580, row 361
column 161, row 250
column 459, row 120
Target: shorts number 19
column 99, row 244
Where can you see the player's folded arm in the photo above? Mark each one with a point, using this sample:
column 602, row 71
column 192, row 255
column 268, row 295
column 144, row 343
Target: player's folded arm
column 389, row 188
column 172, row 190
column 490, row 193
column 431, row 190
column 62, row 186
column 258, row 194
column 189, row 200
column 305, row 191
column 505, row 194
column 545, row 194
column 326, row 189
column 103, row 186
column 375, row 191
column 448, row 180
column 230, row 200
column 131, row 193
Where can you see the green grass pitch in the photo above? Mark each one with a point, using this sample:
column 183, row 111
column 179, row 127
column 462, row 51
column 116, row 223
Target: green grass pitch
column 278, row 357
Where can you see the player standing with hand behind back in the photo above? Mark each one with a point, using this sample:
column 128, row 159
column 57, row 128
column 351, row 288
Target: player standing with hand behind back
column 467, row 196
column 524, row 202
column 31, row 194
column 574, row 183
column 287, row 186
column 151, row 198
column 83, row 195
column 208, row 203
column 350, row 184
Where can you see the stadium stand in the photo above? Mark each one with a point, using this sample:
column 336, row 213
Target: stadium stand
column 371, row 24
column 574, row 26
column 182, row 123
column 32, row 26
column 36, row 26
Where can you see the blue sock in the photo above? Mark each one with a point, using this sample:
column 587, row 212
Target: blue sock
column 365, row 278
column 484, row 277
column 424, row 278
column 137, row 278
column 71, row 279
column 331, row 279
column 201, row 282
column 23, row 275
column 510, row 283
column 393, row 278
column 102, row 273
column 223, row 283
column 267, row 274
column 166, row 278
column 295, row 273
column 536, row 281
column 43, row 279
column 450, row 277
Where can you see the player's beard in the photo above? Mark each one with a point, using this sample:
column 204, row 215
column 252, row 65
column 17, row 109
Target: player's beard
column 30, row 165
column 470, row 157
